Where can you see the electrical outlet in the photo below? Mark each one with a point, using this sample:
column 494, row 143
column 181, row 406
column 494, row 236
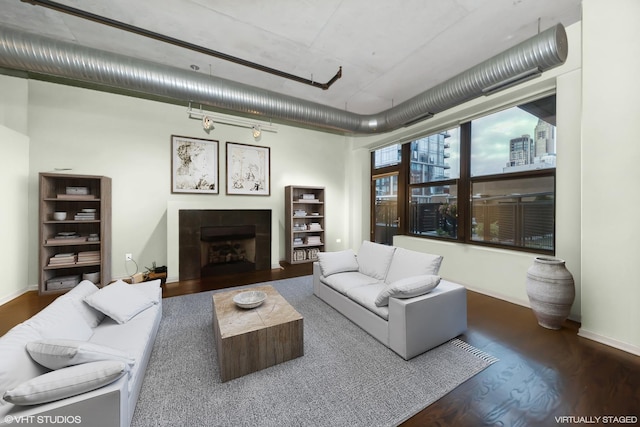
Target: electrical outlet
column 128, row 257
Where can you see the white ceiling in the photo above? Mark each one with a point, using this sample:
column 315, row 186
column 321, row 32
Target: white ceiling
column 389, row 51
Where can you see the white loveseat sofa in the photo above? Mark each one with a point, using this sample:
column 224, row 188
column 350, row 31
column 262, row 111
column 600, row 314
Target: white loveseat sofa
column 90, row 366
column 394, row 294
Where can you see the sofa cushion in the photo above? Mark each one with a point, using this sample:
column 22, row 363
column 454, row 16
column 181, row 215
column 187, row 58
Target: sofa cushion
column 61, row 319
column 120, row 301
column 92, row 316
column 342, row 282
column 337, row 262
column 150, row 289
column 407, row 288
column 16, row 365
column 65, row 382
column 374, row 259
column 366, row 295
column 57, row 354
column 129, row 337
column 407, row 263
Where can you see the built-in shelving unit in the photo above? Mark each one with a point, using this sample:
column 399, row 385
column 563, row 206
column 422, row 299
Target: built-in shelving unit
column 75, row 243
column 305, row 223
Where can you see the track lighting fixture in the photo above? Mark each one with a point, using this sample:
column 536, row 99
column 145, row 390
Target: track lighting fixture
column 208, row 122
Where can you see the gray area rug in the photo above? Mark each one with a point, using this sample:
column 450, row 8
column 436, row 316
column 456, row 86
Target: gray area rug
column 345, row 377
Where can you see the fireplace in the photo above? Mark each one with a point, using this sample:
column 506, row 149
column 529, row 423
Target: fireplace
column 225, row 250
column 218, row 242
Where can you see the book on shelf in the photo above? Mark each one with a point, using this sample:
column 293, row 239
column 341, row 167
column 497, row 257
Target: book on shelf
column 314, row 240
column 66, row 240
column 84, row 216
column 76, row 196
column 62, row 259
column 88, row 256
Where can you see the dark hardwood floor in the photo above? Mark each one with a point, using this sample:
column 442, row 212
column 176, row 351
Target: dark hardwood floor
column 542, row 378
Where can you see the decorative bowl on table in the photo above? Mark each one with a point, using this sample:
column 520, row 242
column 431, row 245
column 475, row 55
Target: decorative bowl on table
column 249, row 299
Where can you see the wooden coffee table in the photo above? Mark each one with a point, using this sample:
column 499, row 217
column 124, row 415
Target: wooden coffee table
column 250, row 340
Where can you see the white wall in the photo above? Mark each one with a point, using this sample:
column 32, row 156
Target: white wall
column 128, row 139
column 14, row 227
column 14, row 174
column 611, row 173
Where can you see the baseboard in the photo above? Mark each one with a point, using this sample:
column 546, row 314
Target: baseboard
column 500, row 296
column 517, row 301
column 584, row 333
column 17, row 293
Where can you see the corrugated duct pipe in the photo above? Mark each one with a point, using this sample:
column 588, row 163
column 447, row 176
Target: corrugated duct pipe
column 37, row 54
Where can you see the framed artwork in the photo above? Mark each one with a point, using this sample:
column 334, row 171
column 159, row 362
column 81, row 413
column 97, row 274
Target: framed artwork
column 248, row 169
column 194, row 165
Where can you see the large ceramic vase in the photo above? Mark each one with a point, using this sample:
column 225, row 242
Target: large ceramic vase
column 551, row 291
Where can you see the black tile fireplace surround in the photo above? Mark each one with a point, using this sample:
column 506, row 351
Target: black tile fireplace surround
column 192, row 222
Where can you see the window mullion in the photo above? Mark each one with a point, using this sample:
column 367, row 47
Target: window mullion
column 464, row 187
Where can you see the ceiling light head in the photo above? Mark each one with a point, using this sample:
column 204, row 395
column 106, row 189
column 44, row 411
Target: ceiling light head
column 256, row 131
column 194, row 67
column 207, row 123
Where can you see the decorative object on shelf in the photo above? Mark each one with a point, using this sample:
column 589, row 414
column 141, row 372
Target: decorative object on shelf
column 249, row 299
column 77, row 191
column 312, row 253
column 248, row 169
column 59, row 216
column 551, row 291
column 93, row 277
column 62, row 282
column 299, row 255
column 194, row 165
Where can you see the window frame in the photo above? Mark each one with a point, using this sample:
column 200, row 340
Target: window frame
column 464, row 185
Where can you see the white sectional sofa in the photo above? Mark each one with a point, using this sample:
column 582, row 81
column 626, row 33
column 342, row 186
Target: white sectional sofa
column 90, row 365
column 394, row 294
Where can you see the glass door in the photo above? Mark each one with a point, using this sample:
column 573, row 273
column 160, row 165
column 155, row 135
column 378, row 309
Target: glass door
column 385, row 218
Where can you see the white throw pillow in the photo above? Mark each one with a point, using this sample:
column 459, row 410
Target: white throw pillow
column 408, row 263
column 92, row 316
column 57, row 354
column 66, row 382
column 374, row 259
column 337, row 262
column 407, row 288
column 120, row 301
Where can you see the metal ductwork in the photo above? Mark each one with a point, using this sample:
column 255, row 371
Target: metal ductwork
column 36, row 54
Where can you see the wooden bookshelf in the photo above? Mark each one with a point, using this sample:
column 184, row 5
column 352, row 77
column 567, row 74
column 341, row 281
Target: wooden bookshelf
column 79, row 244
column 305, row 223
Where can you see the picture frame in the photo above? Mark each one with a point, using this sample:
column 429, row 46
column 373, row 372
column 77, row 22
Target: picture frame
column 248, row 169
column 194, row 165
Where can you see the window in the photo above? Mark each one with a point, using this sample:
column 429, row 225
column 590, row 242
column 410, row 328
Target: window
column 387, row 156
column 433, row 170
column 490, row 181
column 512, row 182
